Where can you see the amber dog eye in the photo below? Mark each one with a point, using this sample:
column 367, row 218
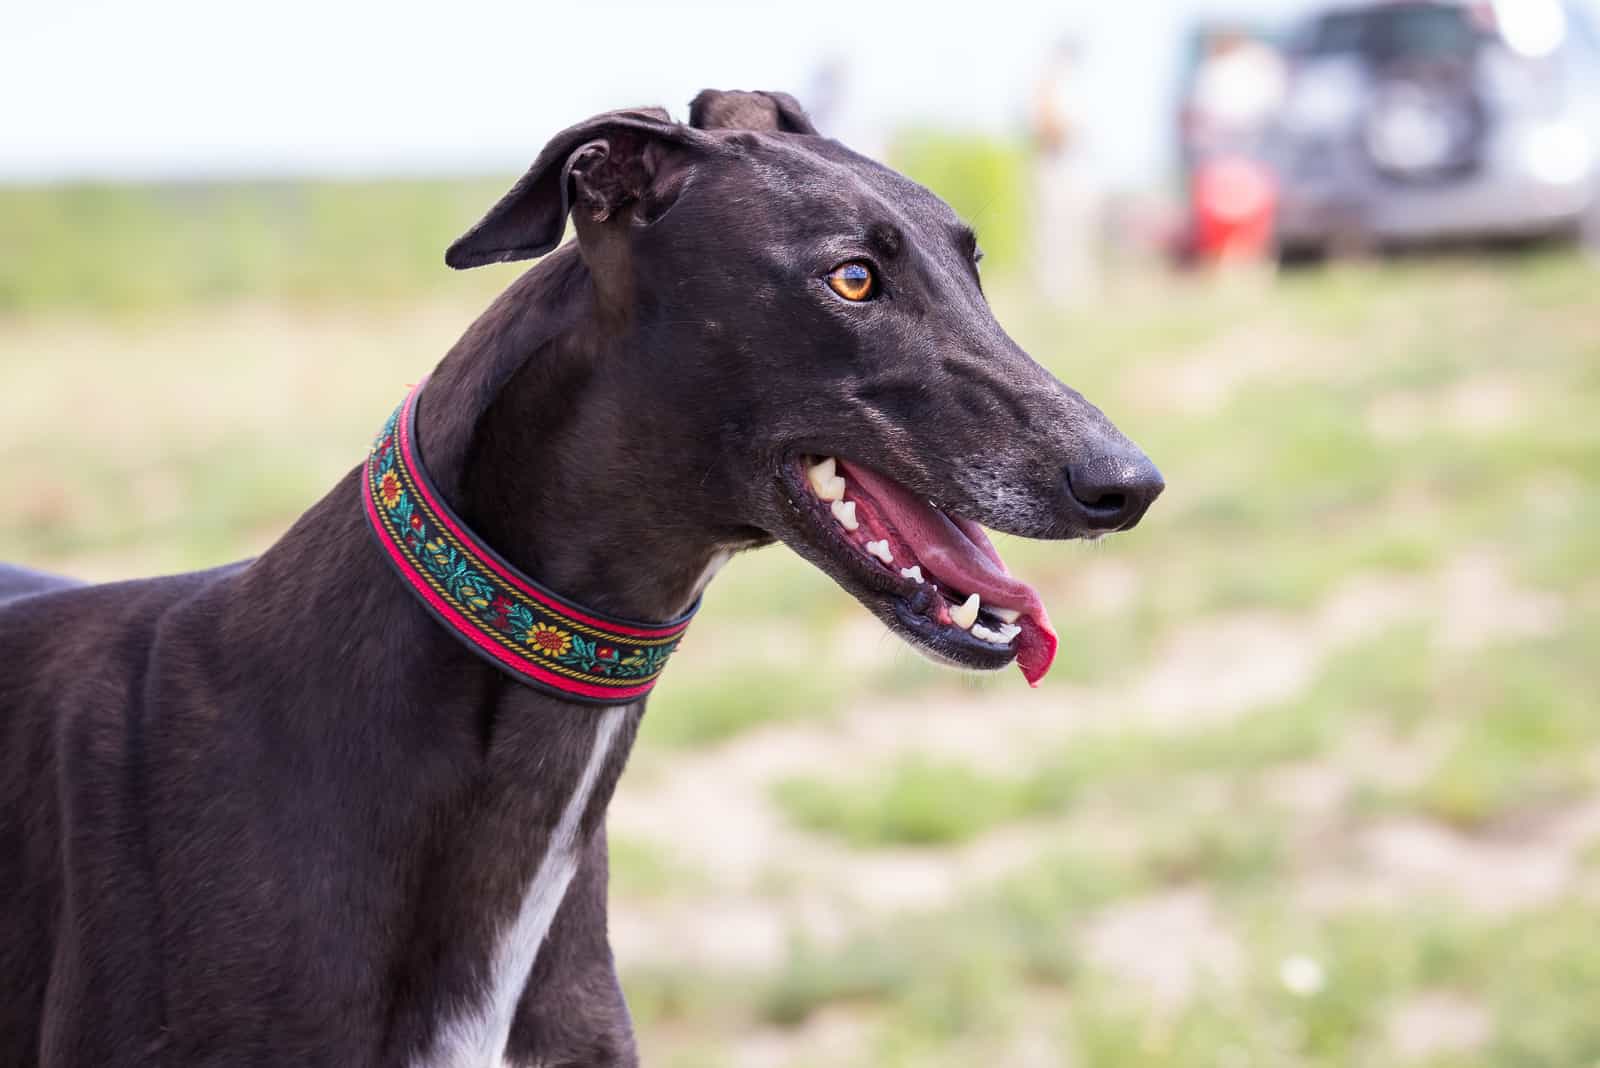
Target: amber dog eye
column 853, row 281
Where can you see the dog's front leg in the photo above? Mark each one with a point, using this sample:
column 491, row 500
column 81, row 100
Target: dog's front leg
column 572, row 1014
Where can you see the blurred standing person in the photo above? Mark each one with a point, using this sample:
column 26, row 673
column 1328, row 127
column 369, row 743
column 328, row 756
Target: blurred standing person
column 1237, row 92
column 1066, row 195
column 837, row 107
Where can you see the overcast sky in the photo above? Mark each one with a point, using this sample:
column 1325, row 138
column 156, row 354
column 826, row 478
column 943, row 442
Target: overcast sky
column 142, row 88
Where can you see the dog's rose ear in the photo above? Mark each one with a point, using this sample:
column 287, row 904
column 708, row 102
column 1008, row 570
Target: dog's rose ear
column 600, row 167
column 735, row 109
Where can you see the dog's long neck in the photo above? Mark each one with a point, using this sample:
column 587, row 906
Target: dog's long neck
column 538, row 428
column 490, row 795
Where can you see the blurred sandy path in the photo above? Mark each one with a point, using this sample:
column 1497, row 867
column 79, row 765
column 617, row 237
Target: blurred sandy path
column 771, row 879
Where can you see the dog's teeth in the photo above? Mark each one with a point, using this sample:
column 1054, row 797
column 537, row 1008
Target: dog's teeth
column 913, row 573
column 983, row 633
column 880, row 549
column 1002, row 636
column 1005, row 615
column 845, row 513
column 966, row 614
column 825, row 482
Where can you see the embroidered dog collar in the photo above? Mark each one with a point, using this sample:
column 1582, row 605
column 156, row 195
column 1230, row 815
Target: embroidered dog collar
column 534, row 635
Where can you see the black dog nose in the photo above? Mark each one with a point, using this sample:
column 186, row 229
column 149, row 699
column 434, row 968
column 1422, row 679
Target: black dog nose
column 1114, row 492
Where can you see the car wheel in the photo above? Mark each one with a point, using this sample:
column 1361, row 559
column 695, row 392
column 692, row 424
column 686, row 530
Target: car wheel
column 1301, row 255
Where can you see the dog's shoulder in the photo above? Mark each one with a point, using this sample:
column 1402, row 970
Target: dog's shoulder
column 56, row 632
column 26, row 594
column 17, row 582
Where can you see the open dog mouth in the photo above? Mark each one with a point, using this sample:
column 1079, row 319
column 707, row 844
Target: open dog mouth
column 945, row 582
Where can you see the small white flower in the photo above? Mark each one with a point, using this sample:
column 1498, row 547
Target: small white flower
column 1302, row 976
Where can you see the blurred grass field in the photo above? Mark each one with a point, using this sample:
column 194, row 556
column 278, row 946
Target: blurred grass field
column 1314, row 782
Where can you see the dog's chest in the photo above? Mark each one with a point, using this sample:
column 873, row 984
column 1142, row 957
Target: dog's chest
column 475, row 1035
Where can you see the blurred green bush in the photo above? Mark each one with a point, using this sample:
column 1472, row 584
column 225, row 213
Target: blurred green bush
column 103, row 247
column 982, row 178
column 100, row 247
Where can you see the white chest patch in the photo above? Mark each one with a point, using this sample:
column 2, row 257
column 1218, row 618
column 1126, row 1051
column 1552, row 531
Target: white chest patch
column 717, row 562
column 476, row 1035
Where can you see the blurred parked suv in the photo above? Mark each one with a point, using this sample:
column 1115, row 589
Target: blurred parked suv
column 1419, row 122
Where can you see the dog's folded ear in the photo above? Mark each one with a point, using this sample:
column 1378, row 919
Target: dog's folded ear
column 736, row 109
column 618, row 160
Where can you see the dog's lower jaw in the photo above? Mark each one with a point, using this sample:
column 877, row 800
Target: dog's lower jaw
column 909, row 603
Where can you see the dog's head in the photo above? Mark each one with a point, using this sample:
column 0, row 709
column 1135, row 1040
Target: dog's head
column 816, row 323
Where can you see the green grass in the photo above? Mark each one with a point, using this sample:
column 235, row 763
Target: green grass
column 950, row 971
column 1528, row 731
column 105, row 248
column 718, row 705
column 923, row 802
column 649, row 869
column 942, row 986
column 917, row 802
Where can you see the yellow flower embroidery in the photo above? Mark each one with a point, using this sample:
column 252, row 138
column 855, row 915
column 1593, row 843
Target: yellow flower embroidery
column 389, row 489
column 551, row 641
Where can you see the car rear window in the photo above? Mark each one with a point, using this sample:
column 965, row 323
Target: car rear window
column 1399, row 31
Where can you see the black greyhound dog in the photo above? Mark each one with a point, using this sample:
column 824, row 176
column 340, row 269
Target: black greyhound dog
column 287, row 812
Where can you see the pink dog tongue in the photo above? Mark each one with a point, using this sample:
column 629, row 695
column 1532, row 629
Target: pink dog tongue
column 1036, row 646
column 960, row 556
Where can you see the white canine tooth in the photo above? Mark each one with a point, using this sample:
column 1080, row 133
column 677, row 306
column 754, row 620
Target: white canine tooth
column 1005, row 615
column 1008, row 631
column 966, row 614
column 825, row 483
column 913, row 573
column 880, row 549
column 845, row 513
